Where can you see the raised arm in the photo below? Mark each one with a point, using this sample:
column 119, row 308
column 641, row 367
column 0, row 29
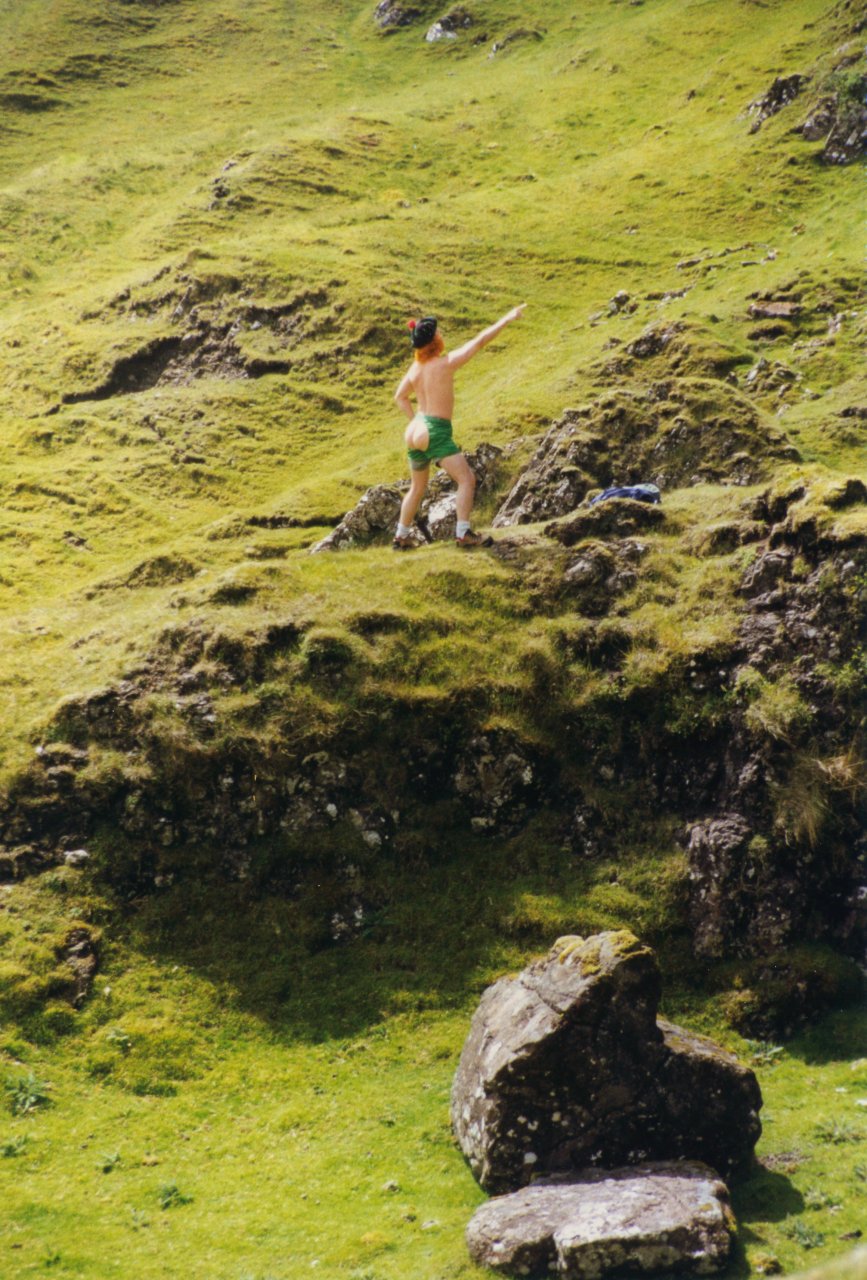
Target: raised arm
column 474, row 346
column 401, row 396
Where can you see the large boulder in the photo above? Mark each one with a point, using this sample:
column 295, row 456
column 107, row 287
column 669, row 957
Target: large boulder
column 653, row 1217
column 566, row 1067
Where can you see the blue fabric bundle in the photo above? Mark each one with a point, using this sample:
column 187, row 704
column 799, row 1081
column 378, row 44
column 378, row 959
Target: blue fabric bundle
column 640, row 492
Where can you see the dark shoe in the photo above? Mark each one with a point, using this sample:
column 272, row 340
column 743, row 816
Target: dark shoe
column 404, row 544
column 471, row 539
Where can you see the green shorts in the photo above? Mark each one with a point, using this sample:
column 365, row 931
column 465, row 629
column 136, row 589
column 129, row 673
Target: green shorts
column 440, row 443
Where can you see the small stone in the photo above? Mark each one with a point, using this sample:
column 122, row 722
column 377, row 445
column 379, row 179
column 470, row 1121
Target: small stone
column 76, row 857
column 767, row 1264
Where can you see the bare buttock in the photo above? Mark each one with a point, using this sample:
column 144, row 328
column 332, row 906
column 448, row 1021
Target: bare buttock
column 417, row 435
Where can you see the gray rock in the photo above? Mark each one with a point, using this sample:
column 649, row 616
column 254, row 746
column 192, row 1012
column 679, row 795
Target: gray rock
column 374, row 515
column 565, row 1067
column 616, row 516
column 653, row 1217
column 498, row 780
column 447, row 27
column 81, row 954
column 718, row 849
column 76, row 857
column 388, row 15
column 820, row 121
column 767, row 571
column 556, row 477
column 783, row 91
column 847, row 140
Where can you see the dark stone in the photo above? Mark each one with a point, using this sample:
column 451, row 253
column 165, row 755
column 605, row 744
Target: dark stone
column 566, row 1067
column 715, row 847
column 389, row 15
column 766, row 572
column 783, row 91
column 653, row 341
column 820, row 121
column 80, row 953
column 847, row 140
column 498, row 780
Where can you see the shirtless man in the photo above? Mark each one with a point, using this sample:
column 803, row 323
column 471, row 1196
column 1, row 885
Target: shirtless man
column 431, row 379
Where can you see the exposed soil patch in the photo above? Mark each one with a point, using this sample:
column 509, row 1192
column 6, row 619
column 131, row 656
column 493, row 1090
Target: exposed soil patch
column 156, row 572
column 29, row 102
column 214, row 321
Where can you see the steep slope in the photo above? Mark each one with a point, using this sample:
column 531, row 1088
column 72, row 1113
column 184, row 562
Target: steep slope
column 410, row 775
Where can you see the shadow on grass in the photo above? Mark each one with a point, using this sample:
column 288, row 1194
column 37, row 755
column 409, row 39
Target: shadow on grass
column 766, row 1197
column 839, row 1037
column 432, row 933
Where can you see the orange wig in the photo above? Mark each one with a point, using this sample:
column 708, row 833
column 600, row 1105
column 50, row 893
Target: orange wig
column 434, row 348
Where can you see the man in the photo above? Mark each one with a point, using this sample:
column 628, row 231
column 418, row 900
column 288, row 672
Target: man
column 431, row 380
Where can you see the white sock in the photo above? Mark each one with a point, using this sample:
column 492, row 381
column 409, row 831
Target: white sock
column 403, row 530
column 463, row 527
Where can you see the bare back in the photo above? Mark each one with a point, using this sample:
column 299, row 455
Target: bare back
column 434, row 385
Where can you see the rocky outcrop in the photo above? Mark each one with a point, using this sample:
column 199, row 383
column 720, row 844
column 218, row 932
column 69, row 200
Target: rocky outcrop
column 780, row 857
column 498, row 779
column 676, row 431
column 557, row 476
column 447, row 27
column 374, row 516
column 617, row 516
column 718, row 850
column 388, row 15
column 847, row 139
column 653, row 1217
column 566, row 1067
column 783, row 91
column 839, row 119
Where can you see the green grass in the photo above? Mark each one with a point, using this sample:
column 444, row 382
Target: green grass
column 228, row 158
column 282, row 1090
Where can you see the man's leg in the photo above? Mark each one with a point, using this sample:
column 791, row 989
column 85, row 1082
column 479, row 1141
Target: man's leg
column 417, row 486
column 461, row 472
column 403, row 539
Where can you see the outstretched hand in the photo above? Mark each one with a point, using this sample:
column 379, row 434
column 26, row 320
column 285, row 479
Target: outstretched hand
column 516, row 312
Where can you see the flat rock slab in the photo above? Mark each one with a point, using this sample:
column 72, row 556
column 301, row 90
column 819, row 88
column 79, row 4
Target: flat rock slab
column 664, row 1216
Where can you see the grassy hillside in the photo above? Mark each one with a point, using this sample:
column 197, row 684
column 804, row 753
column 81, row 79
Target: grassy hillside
column 218, row 218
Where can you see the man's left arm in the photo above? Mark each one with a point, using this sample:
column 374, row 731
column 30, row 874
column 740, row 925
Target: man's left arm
column 402, row 395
